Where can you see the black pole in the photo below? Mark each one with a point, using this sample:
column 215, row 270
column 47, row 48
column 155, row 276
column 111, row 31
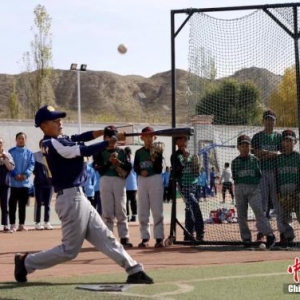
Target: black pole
column 173, row 121
column 296, row 45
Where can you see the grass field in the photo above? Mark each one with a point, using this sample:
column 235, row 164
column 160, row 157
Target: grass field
column 260, row 280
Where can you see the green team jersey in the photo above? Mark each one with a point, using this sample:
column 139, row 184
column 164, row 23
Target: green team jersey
column 185, row 172
column 288, row 170
column 102, row 160
column 246, row 170
column 270, row 142
column 143, row 161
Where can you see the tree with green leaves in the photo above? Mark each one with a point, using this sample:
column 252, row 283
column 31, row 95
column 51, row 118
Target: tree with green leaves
column 36, row 80
column 232, row 103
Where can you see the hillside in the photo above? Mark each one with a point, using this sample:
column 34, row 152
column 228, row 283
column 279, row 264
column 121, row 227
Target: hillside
column 109, row 97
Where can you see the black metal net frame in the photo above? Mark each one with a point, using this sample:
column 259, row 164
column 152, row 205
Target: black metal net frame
column 295, row 34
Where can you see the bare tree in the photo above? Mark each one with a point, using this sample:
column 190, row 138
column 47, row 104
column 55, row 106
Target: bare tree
column 36, row 79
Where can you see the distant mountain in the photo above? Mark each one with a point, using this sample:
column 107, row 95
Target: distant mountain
column 111, row 97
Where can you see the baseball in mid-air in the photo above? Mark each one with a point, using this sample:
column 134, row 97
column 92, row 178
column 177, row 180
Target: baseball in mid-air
column 122, row 49
column 262, row 246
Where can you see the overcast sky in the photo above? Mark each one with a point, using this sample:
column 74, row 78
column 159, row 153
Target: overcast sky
column 89, row 31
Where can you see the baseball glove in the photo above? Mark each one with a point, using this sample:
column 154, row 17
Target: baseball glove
column 120, row 171
column 289, row 202
column 156, row 149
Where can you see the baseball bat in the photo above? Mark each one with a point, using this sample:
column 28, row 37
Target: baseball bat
column 187, row 131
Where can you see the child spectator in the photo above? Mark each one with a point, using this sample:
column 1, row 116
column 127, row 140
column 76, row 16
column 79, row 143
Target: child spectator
column 166, row 181
column 185, row 168
column 6, row 164
column 43, row 190
column 131, row 188
column 202, row 184
column 112, row 164
column 212, row 181
column 226, row 180
column 90, row 184
column 287, row 175
column 246, row 175
column 150, row 190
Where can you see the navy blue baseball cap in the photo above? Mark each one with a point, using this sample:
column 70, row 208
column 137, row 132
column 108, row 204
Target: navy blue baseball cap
column 47, row 113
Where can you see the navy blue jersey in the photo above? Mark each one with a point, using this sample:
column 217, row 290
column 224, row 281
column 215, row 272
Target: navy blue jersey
column 66, row 160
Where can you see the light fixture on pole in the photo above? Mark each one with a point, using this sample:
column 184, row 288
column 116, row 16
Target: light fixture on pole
column 82, row 69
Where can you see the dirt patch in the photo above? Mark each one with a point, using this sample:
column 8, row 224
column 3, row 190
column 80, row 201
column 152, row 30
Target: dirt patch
column 91, row 261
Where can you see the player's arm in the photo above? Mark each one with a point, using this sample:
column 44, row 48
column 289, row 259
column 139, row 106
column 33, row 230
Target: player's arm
column 265, row 154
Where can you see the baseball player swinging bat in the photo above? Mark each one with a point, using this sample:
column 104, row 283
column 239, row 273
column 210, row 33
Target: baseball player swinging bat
column 187, row 131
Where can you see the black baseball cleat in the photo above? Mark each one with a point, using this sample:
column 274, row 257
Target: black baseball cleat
column 271, row 240
column 125, row 242
column 20, row 270
column 139, row 278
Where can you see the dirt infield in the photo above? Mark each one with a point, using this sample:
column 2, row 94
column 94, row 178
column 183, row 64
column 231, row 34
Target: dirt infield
column 91, row 261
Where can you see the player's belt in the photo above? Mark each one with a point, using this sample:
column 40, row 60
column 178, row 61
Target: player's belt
column 75, row 188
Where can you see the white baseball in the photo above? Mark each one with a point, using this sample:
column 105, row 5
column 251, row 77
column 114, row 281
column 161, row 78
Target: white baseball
column 122, row 49
column 262, row 246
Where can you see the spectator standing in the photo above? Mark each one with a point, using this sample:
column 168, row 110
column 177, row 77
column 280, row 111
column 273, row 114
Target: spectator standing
column 150, row 190
column 113, row 166
column 202, row 184
column 97, row 188
column 266, row 146
column 246, row 174
column 166, row 183
column 43, row 190
column 212, row 181
column 90, row 184
column 185, row 170
column 20, row 182
column 226, row 180
column 287, row 175
column 6, row 164
column 131, row 188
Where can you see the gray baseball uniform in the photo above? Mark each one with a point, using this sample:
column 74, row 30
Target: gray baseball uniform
column 65, row 158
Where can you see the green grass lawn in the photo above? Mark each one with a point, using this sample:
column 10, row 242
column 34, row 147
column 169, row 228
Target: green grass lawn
column 263, row 280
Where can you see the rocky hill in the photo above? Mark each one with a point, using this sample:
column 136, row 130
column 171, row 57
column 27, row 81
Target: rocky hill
column 111, row 97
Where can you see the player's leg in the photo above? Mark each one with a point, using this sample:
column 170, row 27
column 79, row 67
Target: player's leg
column 262, row 222
column 120, row 210
column 38, row 192
column 12, row 208
column 73, row 210
column 144, row 209
column 156, row 206
column 241, row 194
column 23, row 197
column 107, row 201
column 4, row 195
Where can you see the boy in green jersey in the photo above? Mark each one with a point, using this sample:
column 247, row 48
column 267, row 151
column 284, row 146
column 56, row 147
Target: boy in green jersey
column 150, row 190
column 112, row 186
column 287, row 174
column 266, row 146
column 185, row 170
column 246, row 174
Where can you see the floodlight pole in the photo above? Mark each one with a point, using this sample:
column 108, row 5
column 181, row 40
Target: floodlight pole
column 78, row 102
column 82, row 69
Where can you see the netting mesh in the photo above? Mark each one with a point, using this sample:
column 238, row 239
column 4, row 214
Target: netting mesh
column 239, row 68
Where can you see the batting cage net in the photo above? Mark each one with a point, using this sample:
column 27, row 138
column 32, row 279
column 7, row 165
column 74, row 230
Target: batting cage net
column 243, row 103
